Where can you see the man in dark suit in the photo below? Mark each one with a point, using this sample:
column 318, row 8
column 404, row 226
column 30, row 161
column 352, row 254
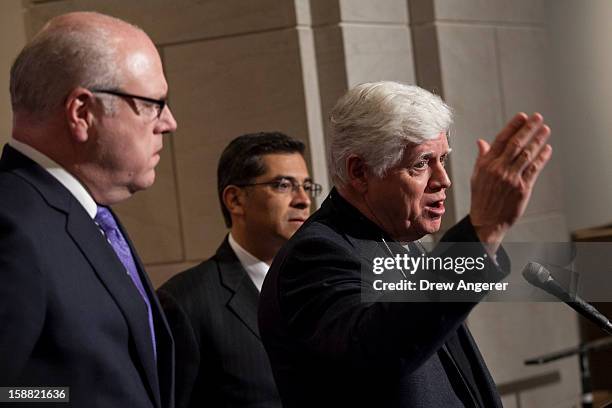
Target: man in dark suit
column 76, row 307
column 265, row 194
column 330, row 342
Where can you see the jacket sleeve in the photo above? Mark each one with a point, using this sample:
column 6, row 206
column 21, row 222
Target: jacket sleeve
column 320, row 297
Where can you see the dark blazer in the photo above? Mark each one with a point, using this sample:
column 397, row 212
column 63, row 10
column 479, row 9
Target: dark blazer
column 220, row 360
column 70, row 314
column 330, row 348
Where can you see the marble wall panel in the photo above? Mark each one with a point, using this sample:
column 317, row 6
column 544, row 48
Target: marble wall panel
column 380, row 11
column 581, row 66
column 468, row 62
column 160, row 273
column 500, row 11
column 421, row 11
column 324, row 12
column 525, row 75
column 180, row 20
column 316, row 122
column 331, row 67
column 11, row 27
column 547, row 227
column 221, row 89
column 378, row 52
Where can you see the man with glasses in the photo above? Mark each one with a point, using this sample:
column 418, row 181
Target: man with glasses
column 76, row 307
column 265, row 193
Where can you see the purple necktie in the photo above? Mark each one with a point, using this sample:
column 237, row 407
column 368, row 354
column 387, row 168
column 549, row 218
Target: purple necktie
column 105, row 220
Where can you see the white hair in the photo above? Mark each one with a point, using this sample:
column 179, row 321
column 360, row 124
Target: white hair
column 58, row 59
column 377, row 120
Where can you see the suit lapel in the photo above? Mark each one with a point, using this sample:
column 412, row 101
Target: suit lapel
column 367, row 239
column 111, row 272
column 164, row 340
column 244, row 299
column 100, row 255
column 458, row 357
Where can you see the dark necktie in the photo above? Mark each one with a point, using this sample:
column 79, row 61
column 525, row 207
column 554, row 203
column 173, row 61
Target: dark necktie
column 105, row 220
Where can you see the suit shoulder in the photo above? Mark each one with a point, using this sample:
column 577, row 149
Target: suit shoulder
column 18, row 194
column 317, row 233
column 186, row 282
column 24, row 206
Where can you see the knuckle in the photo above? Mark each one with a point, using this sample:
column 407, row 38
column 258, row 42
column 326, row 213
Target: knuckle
column 515, row 144
column 531, row 126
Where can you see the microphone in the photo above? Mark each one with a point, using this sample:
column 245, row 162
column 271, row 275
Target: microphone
column 540, row 277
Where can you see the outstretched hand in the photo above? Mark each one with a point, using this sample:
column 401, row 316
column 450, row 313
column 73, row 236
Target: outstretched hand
column 504, row 176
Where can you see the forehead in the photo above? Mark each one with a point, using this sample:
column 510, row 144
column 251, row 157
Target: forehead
column 142, row 67
column 435, row 147
column 285, row 164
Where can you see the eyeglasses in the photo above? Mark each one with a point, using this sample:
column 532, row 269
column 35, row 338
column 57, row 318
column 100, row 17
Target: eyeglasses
column 156, row 105
column 285, row 185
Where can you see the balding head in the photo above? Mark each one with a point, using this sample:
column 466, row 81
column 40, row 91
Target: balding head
column 75, row 49
column 89, row 92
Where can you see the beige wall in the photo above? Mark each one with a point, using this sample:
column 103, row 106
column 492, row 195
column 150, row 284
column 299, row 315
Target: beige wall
column 238, row 66
column 581, row 65
column 489, row 59
column 13, row 37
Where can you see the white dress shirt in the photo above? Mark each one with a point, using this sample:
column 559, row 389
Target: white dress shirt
column 255, row 268
column 66, row 179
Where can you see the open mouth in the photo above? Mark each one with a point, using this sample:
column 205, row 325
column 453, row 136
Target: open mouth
column 435, row 208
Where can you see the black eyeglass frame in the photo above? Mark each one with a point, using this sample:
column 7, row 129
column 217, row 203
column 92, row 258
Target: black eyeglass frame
column 313, row 192
column 162, row 103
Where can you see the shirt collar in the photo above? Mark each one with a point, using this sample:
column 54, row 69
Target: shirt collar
column 65, row 178
column 255, row 268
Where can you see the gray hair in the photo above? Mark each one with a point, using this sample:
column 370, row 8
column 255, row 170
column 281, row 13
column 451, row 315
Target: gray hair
column 61, row 57
column 377, row 120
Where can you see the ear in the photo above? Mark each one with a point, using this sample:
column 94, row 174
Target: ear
column 79, row 113
column 358, row 175
column 234, row 200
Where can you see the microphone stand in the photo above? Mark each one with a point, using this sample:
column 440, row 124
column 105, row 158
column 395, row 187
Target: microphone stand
column 582, row 351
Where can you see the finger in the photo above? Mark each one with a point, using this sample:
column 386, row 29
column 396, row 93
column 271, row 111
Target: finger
column 519, row 140
column 531, row 150
column 511, row 128
column 531, row 172
column 483, row 147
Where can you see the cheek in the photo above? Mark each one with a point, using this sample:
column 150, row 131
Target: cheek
column 414, row 195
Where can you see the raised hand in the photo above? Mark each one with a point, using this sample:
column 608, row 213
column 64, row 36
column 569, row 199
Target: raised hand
column 504, row 176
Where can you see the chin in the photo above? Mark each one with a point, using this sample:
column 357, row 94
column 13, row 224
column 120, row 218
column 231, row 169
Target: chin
column 431, row 229
column 145, row 181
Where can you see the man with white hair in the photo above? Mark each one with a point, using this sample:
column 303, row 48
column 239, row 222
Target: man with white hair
column 76, row 307
column 328, row 346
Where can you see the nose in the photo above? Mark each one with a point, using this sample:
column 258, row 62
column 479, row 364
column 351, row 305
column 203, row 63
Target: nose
column 439, row 178
column 167, row 120
column 301, row 199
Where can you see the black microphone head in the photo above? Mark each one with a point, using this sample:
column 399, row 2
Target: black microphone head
column 536, row 274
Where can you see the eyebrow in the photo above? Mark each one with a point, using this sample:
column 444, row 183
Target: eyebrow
column 428, row 155
column 291, row 178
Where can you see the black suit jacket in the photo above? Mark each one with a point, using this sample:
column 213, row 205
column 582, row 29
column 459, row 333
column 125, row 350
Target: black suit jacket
column 329, row 347
column 220, row 360
column 70, row 314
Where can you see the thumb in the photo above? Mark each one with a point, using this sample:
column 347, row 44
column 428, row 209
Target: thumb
column 483, row 147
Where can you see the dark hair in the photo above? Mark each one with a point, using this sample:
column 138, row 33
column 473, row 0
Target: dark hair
column 242, row 160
